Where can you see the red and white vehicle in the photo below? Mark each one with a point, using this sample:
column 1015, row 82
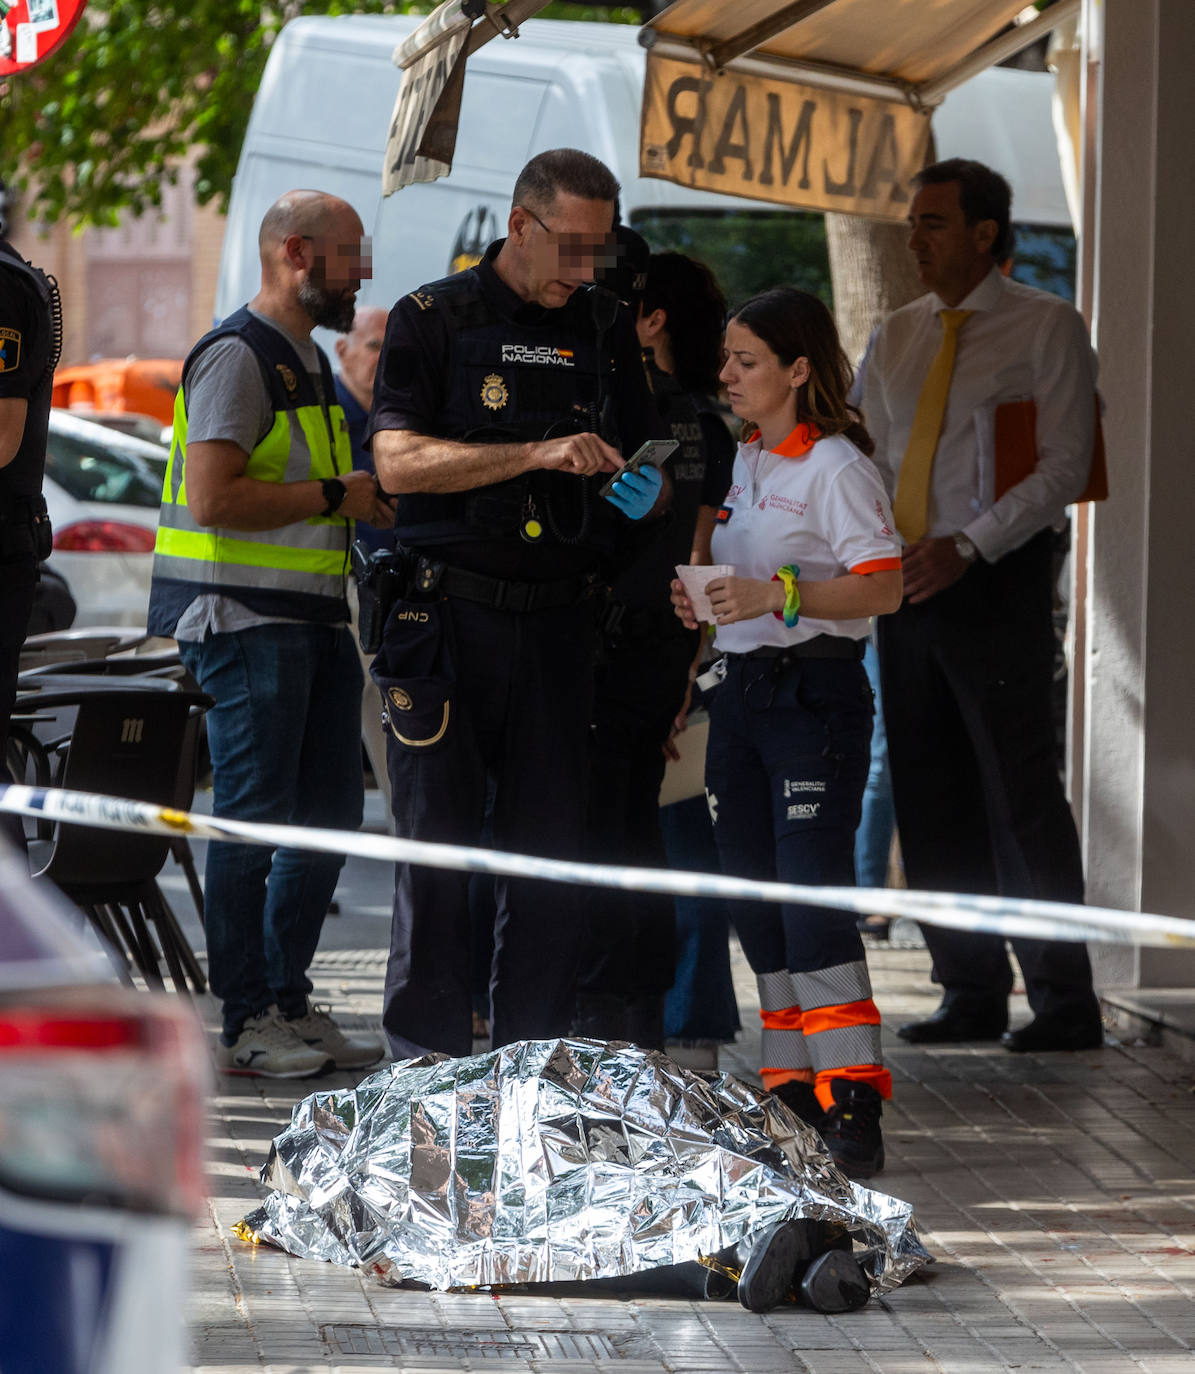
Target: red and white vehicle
column 101, row 1128
column 103, row 490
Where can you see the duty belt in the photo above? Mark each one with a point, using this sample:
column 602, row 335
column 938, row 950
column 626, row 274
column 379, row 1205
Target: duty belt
column 820, row 646
column 499, row 593
column 22, row 510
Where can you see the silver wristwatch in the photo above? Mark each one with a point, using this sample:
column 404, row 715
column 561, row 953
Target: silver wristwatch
column 965, row 547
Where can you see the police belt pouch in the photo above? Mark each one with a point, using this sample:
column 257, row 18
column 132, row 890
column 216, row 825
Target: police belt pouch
column 416, row 674
column 25, row 530
column 383, row 576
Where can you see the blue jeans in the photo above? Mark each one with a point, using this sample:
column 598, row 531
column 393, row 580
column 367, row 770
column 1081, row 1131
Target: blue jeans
column 873, row 839
column 285, row 741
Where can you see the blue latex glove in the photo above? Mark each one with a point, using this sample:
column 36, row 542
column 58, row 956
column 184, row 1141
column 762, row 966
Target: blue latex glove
column 634, row 493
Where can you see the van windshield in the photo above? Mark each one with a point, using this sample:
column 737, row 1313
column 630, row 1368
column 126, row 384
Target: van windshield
column 750, row 250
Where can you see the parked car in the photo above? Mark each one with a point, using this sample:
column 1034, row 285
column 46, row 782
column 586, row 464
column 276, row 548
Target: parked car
column 101, row 1123
column 126, row 422
column 103, row 490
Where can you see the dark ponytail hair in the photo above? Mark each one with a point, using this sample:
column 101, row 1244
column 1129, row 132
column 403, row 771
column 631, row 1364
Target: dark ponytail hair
column 795, row 324
column 688, row 293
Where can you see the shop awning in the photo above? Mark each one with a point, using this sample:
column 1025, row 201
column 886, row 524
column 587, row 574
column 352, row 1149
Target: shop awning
column 422, row 137
column 822, row 104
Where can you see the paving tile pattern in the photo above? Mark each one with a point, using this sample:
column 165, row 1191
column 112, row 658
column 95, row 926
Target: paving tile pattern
column 1057, row 1192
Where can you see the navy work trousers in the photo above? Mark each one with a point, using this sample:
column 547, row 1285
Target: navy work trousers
column 785, row 770
column 484, row 698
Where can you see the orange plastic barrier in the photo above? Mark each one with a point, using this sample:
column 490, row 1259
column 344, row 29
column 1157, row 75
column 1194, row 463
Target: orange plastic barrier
column 145, row 386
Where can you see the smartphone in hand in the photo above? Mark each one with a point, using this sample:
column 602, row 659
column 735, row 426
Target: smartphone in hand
column 653, row 452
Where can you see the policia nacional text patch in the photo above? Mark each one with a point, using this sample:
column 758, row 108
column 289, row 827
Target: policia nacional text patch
column 10, row 349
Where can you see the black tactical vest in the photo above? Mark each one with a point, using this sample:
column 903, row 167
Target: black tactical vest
column 511, row 382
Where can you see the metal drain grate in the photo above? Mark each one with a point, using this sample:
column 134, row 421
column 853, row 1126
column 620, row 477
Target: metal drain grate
column 474, row 1345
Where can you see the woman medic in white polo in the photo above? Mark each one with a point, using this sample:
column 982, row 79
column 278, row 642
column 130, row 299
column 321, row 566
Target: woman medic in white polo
column 809, row 532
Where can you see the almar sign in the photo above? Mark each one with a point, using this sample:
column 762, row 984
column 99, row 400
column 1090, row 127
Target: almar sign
column 779, row 141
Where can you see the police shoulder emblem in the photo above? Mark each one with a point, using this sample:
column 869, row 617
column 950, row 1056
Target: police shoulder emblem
column 494, row 394
column 10, row 349
column 402, row 700
column 289, row 380
column 423, row 299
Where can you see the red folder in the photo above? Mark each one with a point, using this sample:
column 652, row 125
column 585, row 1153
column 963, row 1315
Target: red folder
column 1016, row 449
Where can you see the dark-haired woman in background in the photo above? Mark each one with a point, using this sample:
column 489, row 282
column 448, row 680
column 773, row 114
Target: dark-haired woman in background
column 807, row 527
column 642, row 681
column 681, row 319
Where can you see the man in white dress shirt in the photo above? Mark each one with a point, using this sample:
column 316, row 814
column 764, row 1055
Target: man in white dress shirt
column 981, row 398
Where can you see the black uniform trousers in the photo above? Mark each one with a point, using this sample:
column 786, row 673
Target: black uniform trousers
column 18, row 584
column 485, row 698
column 640, row 688
column 966, row 679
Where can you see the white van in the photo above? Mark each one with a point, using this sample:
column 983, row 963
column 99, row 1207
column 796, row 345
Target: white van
column 327, row 94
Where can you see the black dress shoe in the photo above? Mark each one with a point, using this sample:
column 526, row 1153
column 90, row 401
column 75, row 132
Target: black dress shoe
column 1046, row 1033
column 951, row 1024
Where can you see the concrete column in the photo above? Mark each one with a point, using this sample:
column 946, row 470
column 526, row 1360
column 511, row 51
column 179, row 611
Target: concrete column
column 1139, row 798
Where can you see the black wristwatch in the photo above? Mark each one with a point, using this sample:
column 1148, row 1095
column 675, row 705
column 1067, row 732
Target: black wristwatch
column 334, row 493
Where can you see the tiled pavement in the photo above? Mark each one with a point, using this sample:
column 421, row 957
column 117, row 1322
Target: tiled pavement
column 1057, row 1192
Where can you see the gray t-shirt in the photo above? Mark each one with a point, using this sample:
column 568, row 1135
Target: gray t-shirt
column 227, row 400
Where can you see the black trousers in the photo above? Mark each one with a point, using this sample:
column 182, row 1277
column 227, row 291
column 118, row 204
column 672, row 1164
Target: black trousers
column 18, row 582
column 980, row 807
column 631, row 948
column 485, row 702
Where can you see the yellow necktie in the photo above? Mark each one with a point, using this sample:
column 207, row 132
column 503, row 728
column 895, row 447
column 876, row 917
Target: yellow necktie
column 911, row 506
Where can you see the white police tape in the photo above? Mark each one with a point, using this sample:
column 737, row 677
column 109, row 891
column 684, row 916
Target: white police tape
column 1011, row 917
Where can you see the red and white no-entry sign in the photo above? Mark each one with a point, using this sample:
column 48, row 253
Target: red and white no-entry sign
column 30, row 30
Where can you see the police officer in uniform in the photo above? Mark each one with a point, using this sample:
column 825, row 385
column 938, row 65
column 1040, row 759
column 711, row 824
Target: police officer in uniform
column 30, row 342
column 503, row 399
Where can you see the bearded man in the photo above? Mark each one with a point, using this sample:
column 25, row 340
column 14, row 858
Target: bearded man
column 249, row 572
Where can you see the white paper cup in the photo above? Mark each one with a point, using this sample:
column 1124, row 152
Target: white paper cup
column 695, row 578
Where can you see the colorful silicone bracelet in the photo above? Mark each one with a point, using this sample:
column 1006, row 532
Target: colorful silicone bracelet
column 792, row 596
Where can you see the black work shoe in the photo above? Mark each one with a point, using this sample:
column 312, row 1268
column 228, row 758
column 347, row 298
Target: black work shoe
column 1046, row 1033
column 950, row 1025
column 777, row 1260
column 801, row 1100
column 835, row 1282
column 851, row 1128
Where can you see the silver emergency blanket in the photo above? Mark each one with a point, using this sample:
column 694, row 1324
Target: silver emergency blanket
column 553, row 1160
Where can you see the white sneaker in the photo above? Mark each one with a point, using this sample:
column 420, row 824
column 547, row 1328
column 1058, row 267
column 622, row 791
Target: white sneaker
column 268, row 1048
column 321, row 1033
